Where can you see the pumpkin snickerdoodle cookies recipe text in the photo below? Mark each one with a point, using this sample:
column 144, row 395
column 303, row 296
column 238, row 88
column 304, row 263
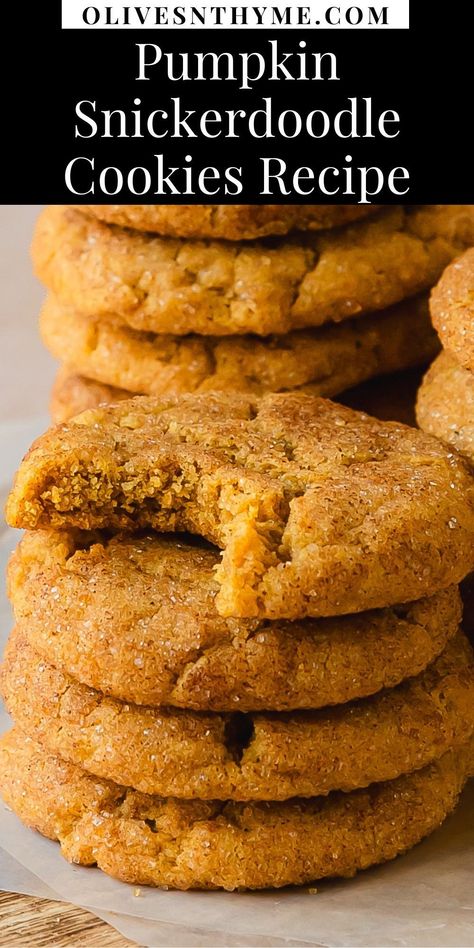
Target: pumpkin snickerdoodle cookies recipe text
column 153, row 114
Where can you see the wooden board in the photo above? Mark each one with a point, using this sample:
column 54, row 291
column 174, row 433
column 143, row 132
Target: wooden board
column 26, row 922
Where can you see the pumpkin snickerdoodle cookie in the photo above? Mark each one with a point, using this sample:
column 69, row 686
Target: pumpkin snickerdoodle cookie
column 185, row 844
column 219, row 288
column 445, row 404
column 452, row 309
column 135, row 618
column 390, row 398
column 319, row 510
column 226, row 221
column 239, row 756
column 322, row 361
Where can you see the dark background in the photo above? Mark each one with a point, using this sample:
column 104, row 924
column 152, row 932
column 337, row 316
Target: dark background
column 424, row 73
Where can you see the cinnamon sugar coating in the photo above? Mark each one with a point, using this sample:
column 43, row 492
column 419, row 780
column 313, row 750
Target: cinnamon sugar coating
column 239, row 756
column 226, row 221
column 319, row 510
column 322, row 361
column 185, row 844
column 135, row 617
column 164, row 285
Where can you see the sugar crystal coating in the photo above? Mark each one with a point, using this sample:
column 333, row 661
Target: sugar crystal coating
column 227, row 221
column 239, row 756
column 135, row 617
column 186, row 844
column 215, row 288
column 319, row 510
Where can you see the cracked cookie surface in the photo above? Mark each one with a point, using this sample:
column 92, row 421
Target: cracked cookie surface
column 452, row 309
column 226, row 221
column 319, row 510
column 135, row 618
column 322, row 361
column 186, row 844
column 219, row 288
column 253, row 756
column 445, row 404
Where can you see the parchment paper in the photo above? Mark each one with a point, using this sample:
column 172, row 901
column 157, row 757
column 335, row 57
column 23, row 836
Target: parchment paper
column 423, row 899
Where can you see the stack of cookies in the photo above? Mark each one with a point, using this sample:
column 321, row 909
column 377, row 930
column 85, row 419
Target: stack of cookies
column 237, row 661
column 165, row 300
column 445, row 405
column 445, row 401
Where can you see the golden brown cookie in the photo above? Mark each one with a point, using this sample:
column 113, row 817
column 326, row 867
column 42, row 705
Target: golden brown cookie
column 452, row 309
column 321, row 361
column 240, row 756
column 319, row 510
column 389, row 397
column 226, row 221
column 135, row 618
column 185, row 844
column 218, row 288
column 445, row 404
